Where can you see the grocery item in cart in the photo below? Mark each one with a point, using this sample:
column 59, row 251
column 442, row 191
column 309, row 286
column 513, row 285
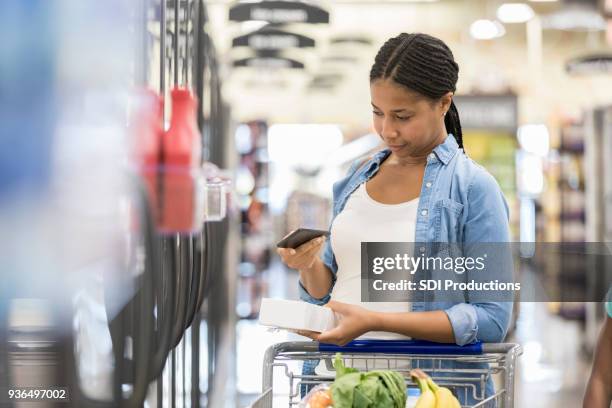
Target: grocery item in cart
column 296, row 315
column 432, row 395
column 354, row 389
column 319, row 397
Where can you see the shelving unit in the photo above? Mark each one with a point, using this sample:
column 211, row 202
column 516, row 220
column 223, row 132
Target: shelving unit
column 565, row 217
column 495, row 151
column 572, row 184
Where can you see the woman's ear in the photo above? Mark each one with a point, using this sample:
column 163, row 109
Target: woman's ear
column 445, row 102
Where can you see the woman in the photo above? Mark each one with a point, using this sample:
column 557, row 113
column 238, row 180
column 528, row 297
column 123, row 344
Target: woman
column 421, row 188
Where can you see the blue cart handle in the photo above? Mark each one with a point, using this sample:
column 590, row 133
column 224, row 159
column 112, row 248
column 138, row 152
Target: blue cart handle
column 402, row 347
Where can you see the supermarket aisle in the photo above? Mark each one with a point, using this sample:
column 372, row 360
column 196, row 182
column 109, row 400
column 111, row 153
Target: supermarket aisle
column 553, row 370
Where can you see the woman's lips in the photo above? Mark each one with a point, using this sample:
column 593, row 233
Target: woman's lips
column 394, row 147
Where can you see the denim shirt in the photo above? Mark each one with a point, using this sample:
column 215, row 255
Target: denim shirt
column 460, row 202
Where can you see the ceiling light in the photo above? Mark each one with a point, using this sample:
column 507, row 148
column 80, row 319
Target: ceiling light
column 543, row 1
column 531, row 174
column 514, row 13
column 534, row 138
column 304, row 146
column 487, row 29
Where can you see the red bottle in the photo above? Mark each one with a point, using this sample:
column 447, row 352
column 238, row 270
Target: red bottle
column 148, row 131
column 182, row 152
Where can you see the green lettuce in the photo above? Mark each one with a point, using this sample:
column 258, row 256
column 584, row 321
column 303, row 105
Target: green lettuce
column 372, row 389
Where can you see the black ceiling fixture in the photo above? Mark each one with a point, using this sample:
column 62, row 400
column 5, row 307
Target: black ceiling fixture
column 590, row 3
column 273, row 39
column 339, row 59
column 590, row 64
column 350, row 39
column 321, row 86
column 325, row 81
column 255, row 83
column 279, row 12
column 268, row 54
column 276, row 62
column 330, row 78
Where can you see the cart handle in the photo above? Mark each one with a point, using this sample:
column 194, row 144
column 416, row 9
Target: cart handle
column 403, row 347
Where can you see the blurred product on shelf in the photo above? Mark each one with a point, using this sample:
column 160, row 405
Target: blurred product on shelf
column 495, row 151
column 256, row 237
column 147, row 131
column 182, row 154
column 307, row 210
column 573, row 228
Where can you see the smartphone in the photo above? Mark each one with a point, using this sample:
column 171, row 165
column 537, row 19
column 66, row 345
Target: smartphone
column 300, row 236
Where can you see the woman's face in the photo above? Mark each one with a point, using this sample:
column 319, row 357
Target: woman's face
column 408, row 123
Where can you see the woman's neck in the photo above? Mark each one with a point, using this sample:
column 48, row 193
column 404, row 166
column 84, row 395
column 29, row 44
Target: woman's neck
column 417, row 158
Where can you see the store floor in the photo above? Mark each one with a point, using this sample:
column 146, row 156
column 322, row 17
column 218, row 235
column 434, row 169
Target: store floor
column 553, row 369
column 552, row 372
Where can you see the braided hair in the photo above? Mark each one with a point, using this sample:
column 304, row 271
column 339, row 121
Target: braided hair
column 424, row 64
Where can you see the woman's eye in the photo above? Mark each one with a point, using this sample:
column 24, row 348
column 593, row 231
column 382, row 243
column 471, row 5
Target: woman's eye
column 377, row 113
column 403, row 117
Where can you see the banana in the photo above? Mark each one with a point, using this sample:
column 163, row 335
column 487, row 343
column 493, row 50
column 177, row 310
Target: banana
column 427, row 398
column 444, row 397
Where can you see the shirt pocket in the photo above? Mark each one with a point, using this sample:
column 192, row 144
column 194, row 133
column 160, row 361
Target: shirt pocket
column 447, row 220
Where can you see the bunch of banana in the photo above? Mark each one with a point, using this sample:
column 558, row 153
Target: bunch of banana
column 432, row 395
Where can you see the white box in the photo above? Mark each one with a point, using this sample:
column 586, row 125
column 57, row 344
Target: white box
column 296, row 315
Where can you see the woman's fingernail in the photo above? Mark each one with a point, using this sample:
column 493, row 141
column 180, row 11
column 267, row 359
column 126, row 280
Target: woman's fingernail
column 292, row 252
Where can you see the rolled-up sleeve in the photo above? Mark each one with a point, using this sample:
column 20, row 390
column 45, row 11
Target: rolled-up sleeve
column 306, row 297
column 486, row 222
column 486, row 322
column 464, row 319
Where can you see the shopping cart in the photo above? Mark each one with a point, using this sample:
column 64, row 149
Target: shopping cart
column 464, row 369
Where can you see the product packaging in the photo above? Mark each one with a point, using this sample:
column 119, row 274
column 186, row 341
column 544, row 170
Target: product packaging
column 296, row 315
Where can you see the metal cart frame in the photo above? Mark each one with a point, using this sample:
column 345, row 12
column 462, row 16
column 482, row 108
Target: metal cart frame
column 499, row 360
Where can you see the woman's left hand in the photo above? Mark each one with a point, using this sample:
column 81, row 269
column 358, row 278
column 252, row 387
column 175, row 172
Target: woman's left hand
column 353, row 322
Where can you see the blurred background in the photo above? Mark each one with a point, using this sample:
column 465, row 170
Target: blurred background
column 153, row 152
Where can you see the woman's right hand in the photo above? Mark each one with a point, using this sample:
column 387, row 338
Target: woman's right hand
column 304, row 256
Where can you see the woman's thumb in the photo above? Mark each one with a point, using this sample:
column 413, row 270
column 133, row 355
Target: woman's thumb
column 336, row 306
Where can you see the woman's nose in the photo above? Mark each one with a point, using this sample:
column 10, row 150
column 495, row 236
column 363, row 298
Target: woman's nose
column 389, row 130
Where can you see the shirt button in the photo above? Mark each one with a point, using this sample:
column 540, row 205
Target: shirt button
column 422, row 249
column 432, row 156
column 424, row 212
column 428, row 184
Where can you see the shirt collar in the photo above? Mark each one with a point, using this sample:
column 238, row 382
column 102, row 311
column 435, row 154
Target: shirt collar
column 447, row 150
column 444, row 152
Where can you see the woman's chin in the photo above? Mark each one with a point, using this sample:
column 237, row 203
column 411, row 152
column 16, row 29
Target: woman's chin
column 396, row 149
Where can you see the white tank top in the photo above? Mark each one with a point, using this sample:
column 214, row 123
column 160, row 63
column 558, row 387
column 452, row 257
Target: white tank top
column 364, row 219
